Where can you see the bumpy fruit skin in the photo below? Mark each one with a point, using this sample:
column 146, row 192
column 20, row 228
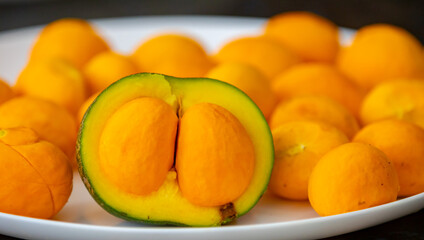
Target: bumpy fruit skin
column 36, row 176
column 364, row 178
column 397, row 99
column 248, row 79
column 172, row 54
column 312, row 37
column 50, row 121
column 403, row 143
column 299, row 145
column 318, row 79
column 317, row 108
column 74, row 40
column 55, row 80
column 380, row 53
column 106, row 68
column 266, row 54
column 168, row 205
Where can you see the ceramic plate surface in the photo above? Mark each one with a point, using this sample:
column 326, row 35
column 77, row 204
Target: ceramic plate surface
column 272, row 218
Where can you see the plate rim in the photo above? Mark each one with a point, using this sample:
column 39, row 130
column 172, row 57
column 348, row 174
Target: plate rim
column 179, row 230
column 318, row 219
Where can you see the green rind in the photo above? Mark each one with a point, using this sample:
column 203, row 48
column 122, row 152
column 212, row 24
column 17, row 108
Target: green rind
column 87, row 182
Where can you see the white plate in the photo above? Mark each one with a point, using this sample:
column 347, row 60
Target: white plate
column 125, row 34
column 272, row 218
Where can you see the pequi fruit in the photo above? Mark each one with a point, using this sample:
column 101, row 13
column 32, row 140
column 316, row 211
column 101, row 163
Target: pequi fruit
column 248, row 79
column 299, row 145
column 6, row 92
column 54, row 80
column 403, row 143
column 315, row 108
column 312, row 37
column 352, row 177
column 73, row 40
column 50, row 121
column 105, row 68
column 172, row 54
column 381, row 53
column 36, row 175
column 85, row 106
column 137, row 167
column 264, row 53
column 318, row 79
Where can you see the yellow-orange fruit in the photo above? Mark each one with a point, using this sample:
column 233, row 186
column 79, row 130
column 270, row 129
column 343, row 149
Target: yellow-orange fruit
column 48, row 120
column 317, row 108
column 403, row 143
column 55, row 80
column 105, row 68
column 36, row 175
column 219, row 171
column 249, row 80
column 266, row 54
column 74, row 40
column 311, row 37
column 318, row 79
column 381, row 52
column 298, row 147
column 6, row 92
column 85, row 106
column 128, row 153
column 352, row 177
column 174, row 55
column 400, row 99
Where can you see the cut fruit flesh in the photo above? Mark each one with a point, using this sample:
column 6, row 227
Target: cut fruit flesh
column 168, row 204
column 127, row 154
column 218, row 171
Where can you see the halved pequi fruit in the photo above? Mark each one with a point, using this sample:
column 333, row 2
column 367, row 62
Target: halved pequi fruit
column 165, row 150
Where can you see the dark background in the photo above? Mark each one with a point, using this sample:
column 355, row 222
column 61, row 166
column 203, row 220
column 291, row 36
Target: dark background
column 408, row 14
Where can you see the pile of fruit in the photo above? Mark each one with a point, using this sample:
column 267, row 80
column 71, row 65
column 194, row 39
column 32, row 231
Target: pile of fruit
column 168, row 143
